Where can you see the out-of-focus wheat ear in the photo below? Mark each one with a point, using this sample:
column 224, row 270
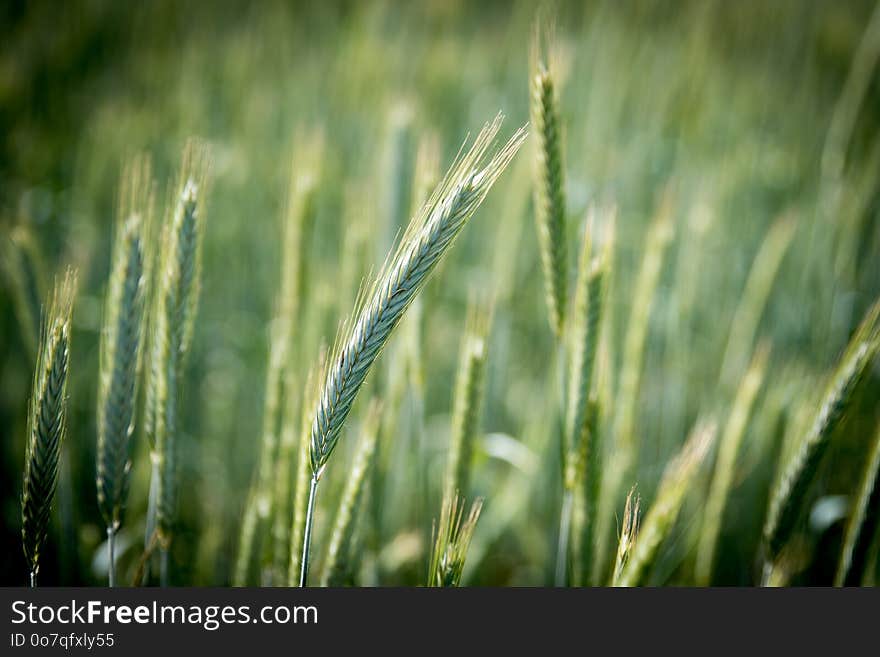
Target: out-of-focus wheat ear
column 46, row 422
column 670, row 495
column 174, row 308
column 340, row 557
column 791, row 490
column 452, row 536
column 549, row 178
column 468, row 397
column 753, row 300
column 24, row 269
column 585, row 323
column 725, row 464
column 582, row 336
column 258, row 507
column 310, row 395
column 241, row 574
column 864, row 519
column 658, row 238
column 625, row 402
column 121, row 350
column 629, row 530
column 283, row 483
column 303, row 184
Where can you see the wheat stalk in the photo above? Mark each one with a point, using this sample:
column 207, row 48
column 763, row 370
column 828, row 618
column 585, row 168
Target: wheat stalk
column 670, row 495
column 427, row 238
column 791, row 490
column 310, row 396
column 339, row 552
column 726, row 464
column 46, row 422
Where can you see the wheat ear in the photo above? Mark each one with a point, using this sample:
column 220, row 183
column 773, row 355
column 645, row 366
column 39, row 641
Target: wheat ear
column 726, row 464
column 46, row 423
column 23, row 264
column 580, row 477
column 863, row 521
column 174, row 311
column 468, row 397
column 791, row 490
column 625, row 404
column 549, row 192
column 452, row 536
column 428, row 237
column 629, row 531
column 663, row 512
column 121, row 349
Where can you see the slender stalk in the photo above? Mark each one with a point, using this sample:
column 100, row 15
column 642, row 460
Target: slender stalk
column 307, row 535
column 164, row 567
column 111, row 564
column 564, row 538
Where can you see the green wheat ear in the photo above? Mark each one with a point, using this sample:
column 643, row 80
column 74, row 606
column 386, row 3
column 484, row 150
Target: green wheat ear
column 452, row 536
column 46, row 422
column 725, row 465
column 174, row 309
column 863, row 521
column 549, row 183
column 468, row 396
column 670, row 496
column 629, row 531
column 121, row 342
column 791, row 491
column 428, row 237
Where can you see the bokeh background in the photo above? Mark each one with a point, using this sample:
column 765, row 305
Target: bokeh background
column 740, row 112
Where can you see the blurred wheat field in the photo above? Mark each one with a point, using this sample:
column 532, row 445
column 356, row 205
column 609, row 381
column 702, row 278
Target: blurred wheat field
column 724, row 158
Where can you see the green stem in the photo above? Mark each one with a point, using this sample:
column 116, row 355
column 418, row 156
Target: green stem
column 307, row 536
column 111, row 565
column 163, row 567
column 564, row 533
